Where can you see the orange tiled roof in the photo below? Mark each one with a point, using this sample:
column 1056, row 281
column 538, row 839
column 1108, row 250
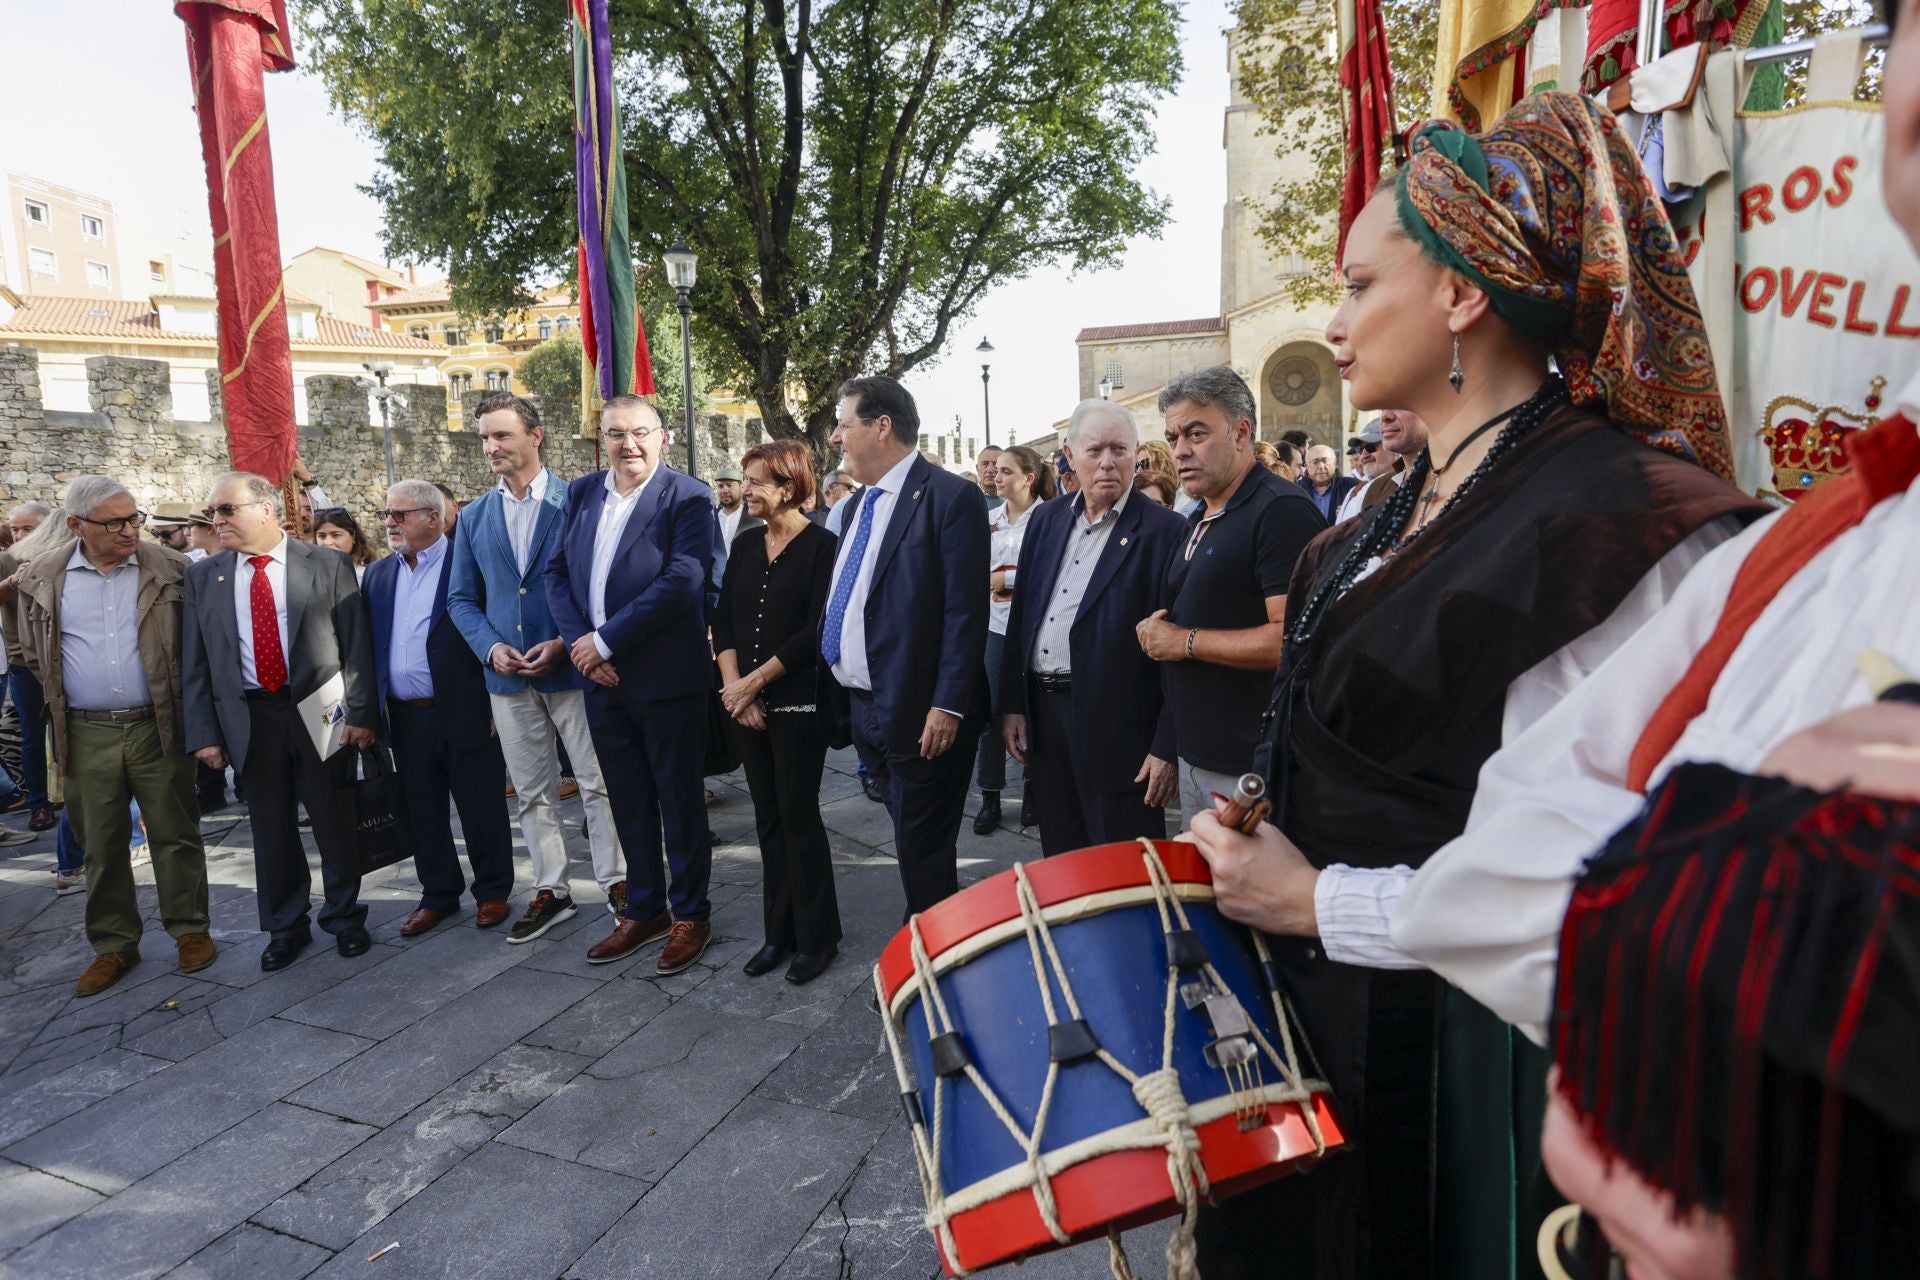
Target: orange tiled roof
column 115, row 318
column 1152, row 329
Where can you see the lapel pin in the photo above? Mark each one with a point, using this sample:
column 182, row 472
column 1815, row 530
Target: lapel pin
column 916, row 495
column 1123, row 542
column 221, row 578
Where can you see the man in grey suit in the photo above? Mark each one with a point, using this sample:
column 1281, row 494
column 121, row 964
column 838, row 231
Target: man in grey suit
column 268, row 620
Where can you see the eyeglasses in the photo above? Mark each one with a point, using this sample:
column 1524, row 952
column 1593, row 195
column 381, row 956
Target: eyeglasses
column 226, row 510
column 616, row 438
column 134, row 521
column 394, row 515
column 1143, row 463
column 1366, row 447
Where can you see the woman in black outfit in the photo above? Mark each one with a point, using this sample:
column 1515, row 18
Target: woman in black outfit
column 767, row 633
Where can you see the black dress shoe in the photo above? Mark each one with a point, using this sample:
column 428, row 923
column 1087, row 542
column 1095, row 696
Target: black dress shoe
column 873, row 789
column 353, row 942
column 280, row 952
column 987, row 820
column 765, row 960
column 805, row 968
column 1026, row 806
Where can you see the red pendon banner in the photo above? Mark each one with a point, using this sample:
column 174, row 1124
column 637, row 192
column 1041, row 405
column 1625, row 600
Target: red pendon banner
column 231, row 44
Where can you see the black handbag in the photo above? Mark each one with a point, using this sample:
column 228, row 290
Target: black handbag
column 722, row 756
column 376, row 808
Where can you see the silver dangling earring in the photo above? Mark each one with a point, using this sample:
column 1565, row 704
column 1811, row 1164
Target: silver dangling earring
column 1457, row 376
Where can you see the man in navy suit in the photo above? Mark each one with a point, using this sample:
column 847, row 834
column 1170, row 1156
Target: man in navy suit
column 438, row 719
column 627, row 588
column 1080, row 710
column 905, row 632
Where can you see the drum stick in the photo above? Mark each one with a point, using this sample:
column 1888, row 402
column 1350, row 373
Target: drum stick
column 1247, row 807
column 1888, row 680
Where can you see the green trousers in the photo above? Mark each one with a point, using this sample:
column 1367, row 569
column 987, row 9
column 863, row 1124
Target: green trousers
column 107, row 766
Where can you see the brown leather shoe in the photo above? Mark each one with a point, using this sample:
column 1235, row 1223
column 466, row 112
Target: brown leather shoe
column 196, row 952
column 686, row 942
column 422, row 919
column 488, row 914
column 42, row 818
column 629, row 936
column 105, row 971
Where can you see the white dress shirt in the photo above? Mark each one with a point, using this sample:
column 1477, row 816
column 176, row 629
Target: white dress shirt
column 1004, row 536
column 1485, row 911
column 100, row 667
column 523, row 516
column 408, row 675
column 1354, row 906
column 851, row 671
column 614, row 514
column 730, row 524
column 276, row 572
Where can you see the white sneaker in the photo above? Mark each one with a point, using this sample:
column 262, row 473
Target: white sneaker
column 66, row 882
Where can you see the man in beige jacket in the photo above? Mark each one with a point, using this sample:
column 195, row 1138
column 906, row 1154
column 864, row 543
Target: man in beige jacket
column 100, row 628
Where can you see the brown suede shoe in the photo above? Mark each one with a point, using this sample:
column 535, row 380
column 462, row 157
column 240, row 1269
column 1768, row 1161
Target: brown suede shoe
column 629, row 936
column 196, row 952
column 686, row 942
column 488, row 914
column 422, row 919
column 104, row 972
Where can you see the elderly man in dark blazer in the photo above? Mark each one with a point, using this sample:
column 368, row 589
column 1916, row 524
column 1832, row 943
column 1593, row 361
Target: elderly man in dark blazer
column 268, row 621
column 904, row 637
column 627, row 588
column 439, row 721
column 1080, row 710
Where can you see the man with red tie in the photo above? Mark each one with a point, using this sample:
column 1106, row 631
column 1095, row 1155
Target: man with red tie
column 268, row 621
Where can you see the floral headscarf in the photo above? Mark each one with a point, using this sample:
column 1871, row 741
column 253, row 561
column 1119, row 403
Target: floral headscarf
column 1551, row 213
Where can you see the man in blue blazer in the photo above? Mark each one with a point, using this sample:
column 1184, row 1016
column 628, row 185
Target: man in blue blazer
column 904, row 637
column 438, row 721
column 498, row 599
column 627, row 588
column 1080, row 709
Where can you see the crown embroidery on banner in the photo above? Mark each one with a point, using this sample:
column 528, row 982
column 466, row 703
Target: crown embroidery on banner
column 1807, row 444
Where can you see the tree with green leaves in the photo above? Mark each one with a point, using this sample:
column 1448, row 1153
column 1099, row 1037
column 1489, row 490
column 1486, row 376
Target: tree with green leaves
column 1299, row 95
column 552, row 369
column 855, row 175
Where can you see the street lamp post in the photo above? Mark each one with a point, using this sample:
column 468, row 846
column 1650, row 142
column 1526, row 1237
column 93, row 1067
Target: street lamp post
column 681, row 265
column 382, row 393
column 985, row 352
column 1106, row 388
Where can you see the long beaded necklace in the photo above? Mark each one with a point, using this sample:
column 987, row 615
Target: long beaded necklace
column 1381, row 536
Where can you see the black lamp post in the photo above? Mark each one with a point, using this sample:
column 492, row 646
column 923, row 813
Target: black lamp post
column 681, row 264
column 985, row 352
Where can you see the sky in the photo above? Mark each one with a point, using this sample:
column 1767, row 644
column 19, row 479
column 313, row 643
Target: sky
column 114, row 117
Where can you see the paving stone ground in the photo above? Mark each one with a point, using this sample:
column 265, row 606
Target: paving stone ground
column 497, row 1110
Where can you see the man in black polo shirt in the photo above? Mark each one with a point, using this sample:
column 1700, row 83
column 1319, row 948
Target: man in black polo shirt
column 1226, row 586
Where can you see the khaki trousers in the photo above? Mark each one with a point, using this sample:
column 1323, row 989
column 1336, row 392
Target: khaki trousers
column 528, row 723
column 107, row 766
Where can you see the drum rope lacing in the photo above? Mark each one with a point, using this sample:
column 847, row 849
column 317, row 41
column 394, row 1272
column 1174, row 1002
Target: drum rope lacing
column 1158, row 1092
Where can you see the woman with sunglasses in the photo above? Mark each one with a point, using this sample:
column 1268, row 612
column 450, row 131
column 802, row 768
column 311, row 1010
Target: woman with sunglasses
column 335, row 529
column 1523, row 293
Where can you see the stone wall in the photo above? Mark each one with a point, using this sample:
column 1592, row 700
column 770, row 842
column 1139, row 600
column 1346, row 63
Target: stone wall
column 133, row 436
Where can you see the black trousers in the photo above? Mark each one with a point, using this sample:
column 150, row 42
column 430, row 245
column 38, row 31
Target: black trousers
column 783, row 764
column 650, row 755
column 283, row 771
column 475, row 776
column 1075, row 808
column 926, row 799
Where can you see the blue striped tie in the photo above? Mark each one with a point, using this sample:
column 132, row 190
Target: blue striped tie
column 843, row 589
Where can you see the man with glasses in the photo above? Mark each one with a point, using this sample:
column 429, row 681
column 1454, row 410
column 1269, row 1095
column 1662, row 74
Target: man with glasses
column 627, row 589
column 438, row 718
column 498, row 598
column 1325, row 486
column 101, row 630
column 1370, row 463
column 1220, row 635
column 269, row 621
column 168, row 525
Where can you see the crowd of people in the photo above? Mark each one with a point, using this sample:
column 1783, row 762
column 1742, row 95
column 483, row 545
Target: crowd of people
column 1461, row 666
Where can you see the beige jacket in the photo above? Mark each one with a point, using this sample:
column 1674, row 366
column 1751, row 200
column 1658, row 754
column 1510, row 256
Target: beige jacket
column 158, row 620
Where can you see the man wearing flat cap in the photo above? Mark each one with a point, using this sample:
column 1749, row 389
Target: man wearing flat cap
column 168, row 525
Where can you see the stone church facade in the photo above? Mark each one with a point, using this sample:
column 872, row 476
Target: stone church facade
column 1276, row 344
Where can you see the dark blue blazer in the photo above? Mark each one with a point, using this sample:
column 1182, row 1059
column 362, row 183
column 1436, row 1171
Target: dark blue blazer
column 656, row 591
column 460, row 704
column 1117, row 696
column 926, row 613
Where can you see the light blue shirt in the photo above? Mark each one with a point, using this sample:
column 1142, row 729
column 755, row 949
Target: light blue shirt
column 100, row 667
column 408, row 675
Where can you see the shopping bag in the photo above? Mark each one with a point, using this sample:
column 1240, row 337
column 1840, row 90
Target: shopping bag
column 376, row 811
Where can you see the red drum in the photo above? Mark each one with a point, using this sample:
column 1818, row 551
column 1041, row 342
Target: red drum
column 1086, row 1044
